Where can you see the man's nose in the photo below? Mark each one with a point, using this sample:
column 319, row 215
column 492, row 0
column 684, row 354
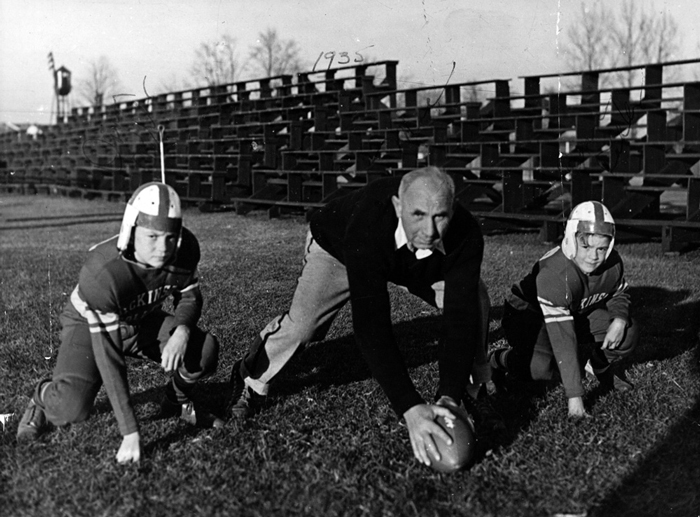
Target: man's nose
column 431, row 227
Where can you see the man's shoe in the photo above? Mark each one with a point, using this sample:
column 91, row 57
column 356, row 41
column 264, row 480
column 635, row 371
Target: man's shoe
column 189, row 414
column 32, row 424
column 247, row 404
column 247, row 401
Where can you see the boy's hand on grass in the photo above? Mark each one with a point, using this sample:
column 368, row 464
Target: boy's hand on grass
column 576, row 409
column 174, row 350
column 130, row 449
column 422, row 428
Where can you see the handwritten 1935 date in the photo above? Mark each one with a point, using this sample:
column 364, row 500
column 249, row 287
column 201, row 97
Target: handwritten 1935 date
column 340, row 58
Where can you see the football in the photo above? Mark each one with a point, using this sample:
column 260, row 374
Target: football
column 460, row 454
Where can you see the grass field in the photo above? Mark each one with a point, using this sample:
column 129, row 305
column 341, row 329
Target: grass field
column 327, row 442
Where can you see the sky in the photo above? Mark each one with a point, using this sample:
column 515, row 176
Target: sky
column 435, row 41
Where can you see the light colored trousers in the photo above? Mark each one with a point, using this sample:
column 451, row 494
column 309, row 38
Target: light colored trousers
column 322, row 290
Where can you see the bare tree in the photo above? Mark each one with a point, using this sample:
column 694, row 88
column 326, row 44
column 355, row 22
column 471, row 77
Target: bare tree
column 602, row 37
column 171, row 83
column 589, row 38
column 275, row 56
column 101, row 83
column 217, row 62
column 642, row 38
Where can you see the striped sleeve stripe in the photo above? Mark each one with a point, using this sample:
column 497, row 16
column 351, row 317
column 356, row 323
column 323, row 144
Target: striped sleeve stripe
column 99, row 329
column 552, row 310
column 552, row 313
column 78, row 303
column 557, row 319
column 544, row 301
column 97, row 321
column 190, row 287
column 102, row 322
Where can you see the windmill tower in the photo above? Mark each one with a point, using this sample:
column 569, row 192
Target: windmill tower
column 61, row 88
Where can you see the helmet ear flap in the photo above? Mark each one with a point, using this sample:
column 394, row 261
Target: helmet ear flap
column 568, row 244
column 128, row 223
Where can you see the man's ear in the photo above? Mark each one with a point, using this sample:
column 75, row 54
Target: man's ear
column 397, row 206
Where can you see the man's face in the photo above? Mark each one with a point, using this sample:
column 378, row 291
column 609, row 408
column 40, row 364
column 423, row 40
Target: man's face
column 425, row 210
column 153, row 247
column 590, row 251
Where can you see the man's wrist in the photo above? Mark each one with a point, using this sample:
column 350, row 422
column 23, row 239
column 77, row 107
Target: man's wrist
column 446, row 400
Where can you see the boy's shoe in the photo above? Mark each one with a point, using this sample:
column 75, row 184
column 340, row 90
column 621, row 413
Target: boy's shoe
column 610, row 380
column 499, row 374
column 189, row 414
column 32, row 424
column 246, row 400
column 485, row 415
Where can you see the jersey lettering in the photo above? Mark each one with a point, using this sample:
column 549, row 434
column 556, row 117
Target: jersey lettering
column 591, row 300
column 145, row 301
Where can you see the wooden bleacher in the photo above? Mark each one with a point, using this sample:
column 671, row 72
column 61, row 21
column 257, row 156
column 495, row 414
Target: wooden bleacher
column 521, row 158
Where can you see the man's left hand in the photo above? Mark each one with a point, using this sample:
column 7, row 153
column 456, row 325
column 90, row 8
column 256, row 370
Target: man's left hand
column 174, row 350
column 422, row 429
column 615, row 334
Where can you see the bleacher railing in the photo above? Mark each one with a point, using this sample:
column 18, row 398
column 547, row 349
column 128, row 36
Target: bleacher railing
column 520, row 159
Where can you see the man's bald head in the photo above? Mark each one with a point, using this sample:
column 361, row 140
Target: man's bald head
column 430, row 178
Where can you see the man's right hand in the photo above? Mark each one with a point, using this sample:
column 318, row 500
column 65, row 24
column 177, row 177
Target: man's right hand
column 422, row 429
column 130, row 449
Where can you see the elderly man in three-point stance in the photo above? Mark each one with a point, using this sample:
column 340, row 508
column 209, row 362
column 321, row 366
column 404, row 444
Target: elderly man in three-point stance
column 406, row 231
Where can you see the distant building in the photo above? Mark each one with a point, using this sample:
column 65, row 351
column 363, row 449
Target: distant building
column 24, row 128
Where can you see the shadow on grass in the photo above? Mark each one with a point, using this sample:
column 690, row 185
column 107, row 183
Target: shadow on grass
column 339, row 361
column 211, row 397
column 667, row 481
column 669, row 325
column 669, row 328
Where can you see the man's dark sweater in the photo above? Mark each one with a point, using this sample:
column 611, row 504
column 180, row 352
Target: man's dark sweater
column 358, row 229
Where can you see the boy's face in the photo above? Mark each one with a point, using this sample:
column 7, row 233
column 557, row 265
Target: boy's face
column 590, row 251
column 153, row 247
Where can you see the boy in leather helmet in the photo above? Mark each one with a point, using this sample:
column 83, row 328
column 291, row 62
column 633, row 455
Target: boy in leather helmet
column 575, row 294
column 115, row 312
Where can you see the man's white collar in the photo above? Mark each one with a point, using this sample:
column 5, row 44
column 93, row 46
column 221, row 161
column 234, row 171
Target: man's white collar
column 400, row 240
